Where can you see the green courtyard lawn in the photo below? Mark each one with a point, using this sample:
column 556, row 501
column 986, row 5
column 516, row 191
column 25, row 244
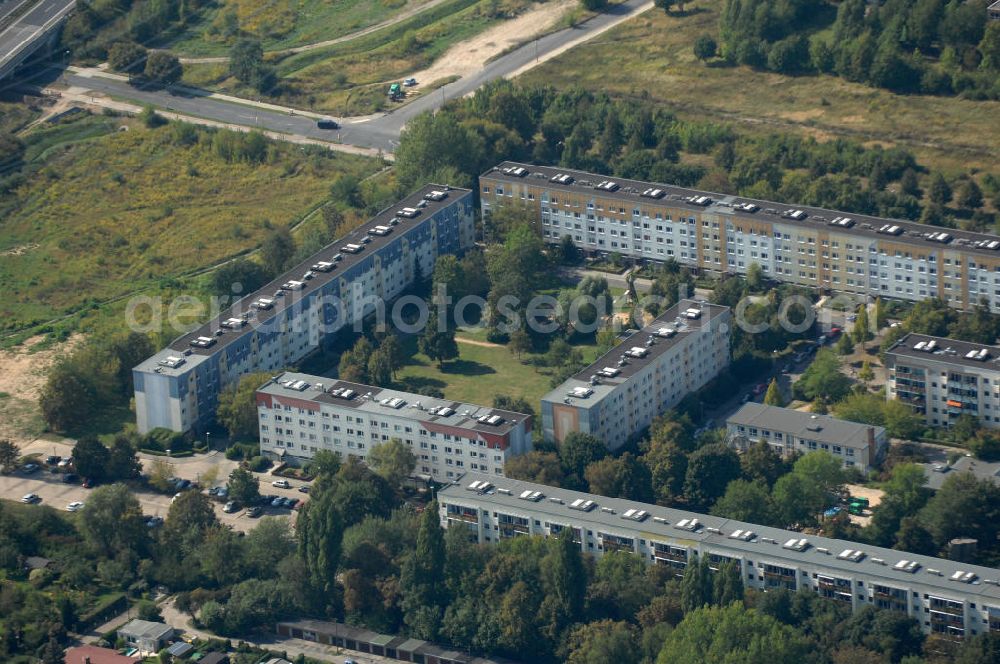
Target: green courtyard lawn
column 480, row 372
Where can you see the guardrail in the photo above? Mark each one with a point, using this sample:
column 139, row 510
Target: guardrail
column 10, row 61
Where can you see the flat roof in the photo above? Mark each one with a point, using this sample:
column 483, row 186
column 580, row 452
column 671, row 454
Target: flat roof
column 383, row 401
column 815, row 218
column 949, row 351
column 766, row 544
column 821, row 428
column 375, row 242
column 982, row 470
column 648, row 339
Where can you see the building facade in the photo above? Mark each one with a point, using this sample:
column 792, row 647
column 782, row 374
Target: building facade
column 942, row 379
column 946, row 597
column 857, row 254
column 300, row 414
column 178, row 387
column 620, row 394
column 789, row 431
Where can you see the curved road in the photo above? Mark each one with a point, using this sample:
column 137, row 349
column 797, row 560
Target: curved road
column 378, row 132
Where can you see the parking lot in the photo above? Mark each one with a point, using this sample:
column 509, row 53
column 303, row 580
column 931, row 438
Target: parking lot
column 57, row 494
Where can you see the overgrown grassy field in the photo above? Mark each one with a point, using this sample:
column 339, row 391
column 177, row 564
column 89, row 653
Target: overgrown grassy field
column 102, row 212
column 352, row 78
column 651, row 57
column 283, row 23
column 480, row 372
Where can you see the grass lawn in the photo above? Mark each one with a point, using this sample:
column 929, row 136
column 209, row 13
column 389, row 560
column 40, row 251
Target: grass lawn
column 101, row 212
column 282, row 24
column 352, row 78
column 480, row 372
column 944, row 132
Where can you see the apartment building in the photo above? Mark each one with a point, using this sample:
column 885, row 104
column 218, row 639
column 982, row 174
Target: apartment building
column 177, row 388
column 618, row 396
column 300, row 414
column 949, row 598
column 789, row 431
column 824, row 249
column 943, row 378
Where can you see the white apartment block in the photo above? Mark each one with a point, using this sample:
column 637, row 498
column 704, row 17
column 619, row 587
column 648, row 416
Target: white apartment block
column 851, row 253
column 300, row 414
column 620, row 394
column 943, row 378
column 949, row 598
column 271, row 329
column 790, row 431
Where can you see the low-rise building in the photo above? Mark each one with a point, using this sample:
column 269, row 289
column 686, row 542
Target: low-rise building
column 300, row 414
column 789, row 431
column 946, row 597
column 620, row 394
column 146, row 636
column 96, row 655
column 943, row 378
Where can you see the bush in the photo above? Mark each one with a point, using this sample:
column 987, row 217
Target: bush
column 259, row 464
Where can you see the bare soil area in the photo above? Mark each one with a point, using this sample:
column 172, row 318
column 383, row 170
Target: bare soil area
column 471, row 55
column 22, row 375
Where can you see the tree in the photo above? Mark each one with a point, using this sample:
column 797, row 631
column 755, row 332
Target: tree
column 823, row 379
column 277, row 250
column 379, row 368
column 845, row 344
column 320, row 532
column 746, row 501
column 246, row 58
column 424, row 596
column 940, row 192
column 243, row 486
column 237, row 409
column 438, row 345
column 705, row 48
column 160, row 472
column 127, row 57
column 866, row 374
column 520, row 343
column 977, row 500
column 113, row 522
column 762, row 463
column 9, row 454
column 535, row 466
column 728, row 584
column 773, row 395
column 123, row 462
column 393, row 460
column 603, row 641
column 325, row 463
column 163, row 68
column 696, row 584
column 709, row 472
column 861, row 333
column 90, row 458
column 564, row 581
column 238, row 276
column 970, row 196
column 579, row 450
column 710, row 635
column 755, row 277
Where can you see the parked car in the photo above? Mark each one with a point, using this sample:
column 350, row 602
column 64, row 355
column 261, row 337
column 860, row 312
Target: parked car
column 154, row 521
column 29, row 468
column 254, row 512
column 834, row 331
column 176, row 496
column 229, row 507
column 327, row 123
column 303, row 489
column 281, row 484
column 410, row 82
column 74, row 506
column 70, row 478
column 64, row 463
column 31, row 498
column 852, row 318
column 52, row 460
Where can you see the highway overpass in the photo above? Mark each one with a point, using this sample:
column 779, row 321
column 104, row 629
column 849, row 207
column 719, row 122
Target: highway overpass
column 27, row 27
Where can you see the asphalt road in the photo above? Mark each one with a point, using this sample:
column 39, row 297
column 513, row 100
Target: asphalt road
column 379, row 132
column 8, row 7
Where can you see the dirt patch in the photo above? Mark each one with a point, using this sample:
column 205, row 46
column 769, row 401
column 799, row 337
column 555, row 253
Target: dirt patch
column 802, row 116
column 20, row 250
column 22, row 376
column 476, row 342
column 471, row 55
